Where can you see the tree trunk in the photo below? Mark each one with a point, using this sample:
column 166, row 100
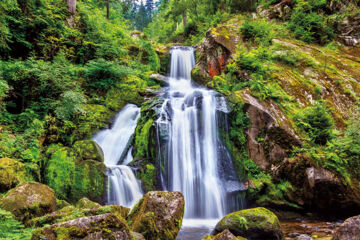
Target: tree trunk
column 72, row 6
column 184, row 19
column 108, row 9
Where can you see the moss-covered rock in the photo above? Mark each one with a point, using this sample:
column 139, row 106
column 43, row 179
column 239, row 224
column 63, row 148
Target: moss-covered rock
column 158, row 215
column 12, row 172
column 88, row 150
column 76, row 172
column 104, row 226
column 254, row 224
column 224, row 235
column 89, row 181
column 70, row 213
column 29, row 200
column 61, row 204
column 86, row 203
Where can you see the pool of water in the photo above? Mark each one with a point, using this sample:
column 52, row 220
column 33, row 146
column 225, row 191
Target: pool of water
column 196, row 229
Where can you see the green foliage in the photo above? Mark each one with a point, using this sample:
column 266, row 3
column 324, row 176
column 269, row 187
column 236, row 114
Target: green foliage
column 257, row 31
column 60, row 171
column 317, row 121
column 11, row 229
column 309, row 25
column 148, row 177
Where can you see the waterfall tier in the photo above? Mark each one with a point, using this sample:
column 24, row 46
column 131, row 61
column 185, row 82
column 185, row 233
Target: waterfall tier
column 123, row 187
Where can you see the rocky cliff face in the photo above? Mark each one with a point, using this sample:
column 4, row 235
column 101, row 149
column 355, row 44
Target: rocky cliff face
column 317, row 74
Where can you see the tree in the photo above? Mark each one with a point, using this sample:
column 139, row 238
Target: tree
column 149, row 5
column 72, row 6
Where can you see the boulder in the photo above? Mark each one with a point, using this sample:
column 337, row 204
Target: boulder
column 224, row 235
column 215, row 52
column 104, row 226
column 88, row 150
column 254, row 224
column 158, row 78
column 349, row 230
column 12, row 172
column 158, row 215
column 70, row 213
column 270, row 135
column 86, row 203
column 29, row 200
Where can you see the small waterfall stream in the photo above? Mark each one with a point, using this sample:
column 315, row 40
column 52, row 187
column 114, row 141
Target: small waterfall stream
column 123, row 187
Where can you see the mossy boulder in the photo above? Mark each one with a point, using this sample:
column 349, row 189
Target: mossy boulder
column 89, row 174
column 12, row 172
column 104, row 226
column 158, row 215
column 254, row 224
column 86, row 203
column 88, row 150
column 29, row 200
column 89, row 181
column 76, row 172
column 70, row 213
column 224, row 235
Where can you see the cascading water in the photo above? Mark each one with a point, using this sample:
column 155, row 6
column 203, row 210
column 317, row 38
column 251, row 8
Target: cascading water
column 193, row 158
column 123, row 187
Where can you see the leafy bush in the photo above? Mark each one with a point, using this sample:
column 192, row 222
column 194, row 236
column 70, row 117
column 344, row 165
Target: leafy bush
column 317, row 121
column 257, row 31
column 309, row 25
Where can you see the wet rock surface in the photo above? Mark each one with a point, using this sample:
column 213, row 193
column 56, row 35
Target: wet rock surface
column 349, row 230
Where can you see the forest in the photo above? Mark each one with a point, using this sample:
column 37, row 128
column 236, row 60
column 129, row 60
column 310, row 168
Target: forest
column 180, row 119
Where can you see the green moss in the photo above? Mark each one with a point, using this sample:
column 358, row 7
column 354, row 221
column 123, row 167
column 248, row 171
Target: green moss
column 12, row 173
column 89, row 180
column 243, row 222
column 59, row 173
column 142, row 139
column 148, row 177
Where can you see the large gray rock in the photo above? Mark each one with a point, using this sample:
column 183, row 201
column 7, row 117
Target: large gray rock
column 349, row 230
column 158, row 215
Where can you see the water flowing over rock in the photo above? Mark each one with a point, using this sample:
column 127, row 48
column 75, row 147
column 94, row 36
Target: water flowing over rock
column 123, row 187
column 29, row 200
column 158, row 215
column 193, row 158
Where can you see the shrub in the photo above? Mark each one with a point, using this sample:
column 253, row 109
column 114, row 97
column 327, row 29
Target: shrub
column 317, row 121
column 259, row 31
column 308, row 25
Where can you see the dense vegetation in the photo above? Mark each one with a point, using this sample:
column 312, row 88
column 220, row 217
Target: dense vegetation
column 63, row 77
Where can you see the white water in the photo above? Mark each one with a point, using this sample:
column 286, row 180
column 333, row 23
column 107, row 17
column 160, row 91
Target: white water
column 123, row 187
column 191, row 148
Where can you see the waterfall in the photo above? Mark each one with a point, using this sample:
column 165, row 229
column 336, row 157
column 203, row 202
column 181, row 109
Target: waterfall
column 123, row 187
column 193, row 158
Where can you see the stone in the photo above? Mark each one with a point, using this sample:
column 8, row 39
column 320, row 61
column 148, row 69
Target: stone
column 29, row 200
column 224, row 235
column 12, row 172
column 88, row 150
column 104, row 226
column 160, row 79
column 86, row 203
column 158, row 215
column 215, row 52
column 254, row 224
column 349, row 230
